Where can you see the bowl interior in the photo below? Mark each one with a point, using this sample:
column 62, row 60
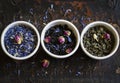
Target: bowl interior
column 28, row 25
column 111, row 29
column 70, row 26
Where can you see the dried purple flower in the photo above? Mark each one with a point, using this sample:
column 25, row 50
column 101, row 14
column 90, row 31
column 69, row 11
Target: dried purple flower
column 45, row 63
column 61, row 40
column 107, row 36
column 47, row 39
column 67, row 33
column 18, row 39
column 68, row 50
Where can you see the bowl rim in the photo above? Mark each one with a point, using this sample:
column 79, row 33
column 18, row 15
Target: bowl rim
column 90, row 25
column 49, row 26
column 14, row 24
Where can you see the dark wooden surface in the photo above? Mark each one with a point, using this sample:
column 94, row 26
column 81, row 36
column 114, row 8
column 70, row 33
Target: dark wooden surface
column 76, row 69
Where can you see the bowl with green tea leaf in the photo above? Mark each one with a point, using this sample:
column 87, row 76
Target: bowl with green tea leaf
column 99, row 40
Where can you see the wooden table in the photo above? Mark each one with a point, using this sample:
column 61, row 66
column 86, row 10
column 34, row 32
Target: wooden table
column 76, row 69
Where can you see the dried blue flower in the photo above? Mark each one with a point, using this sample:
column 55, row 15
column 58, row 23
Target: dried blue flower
column 61, row 39
column 20, row 41
column 69, row 39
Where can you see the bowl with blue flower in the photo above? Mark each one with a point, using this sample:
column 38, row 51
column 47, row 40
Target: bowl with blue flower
column 60, row 38
column 20, row 40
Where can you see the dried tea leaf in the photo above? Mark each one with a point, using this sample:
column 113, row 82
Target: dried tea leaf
column 98, row 41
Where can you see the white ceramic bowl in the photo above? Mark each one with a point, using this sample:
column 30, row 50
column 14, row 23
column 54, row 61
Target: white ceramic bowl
column 71, row 27
column 108, row 27
column 20, row 23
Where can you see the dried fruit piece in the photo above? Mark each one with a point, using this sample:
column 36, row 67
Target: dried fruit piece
column 61, row 40
column 45, row 63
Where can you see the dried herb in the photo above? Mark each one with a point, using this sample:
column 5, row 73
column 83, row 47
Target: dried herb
column 20, row 40
column 60, row 40
column 98, row 41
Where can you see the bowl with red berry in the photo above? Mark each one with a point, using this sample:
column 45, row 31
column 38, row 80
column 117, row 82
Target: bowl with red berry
column 99, row 40
column 60, row 38
column 20, row 40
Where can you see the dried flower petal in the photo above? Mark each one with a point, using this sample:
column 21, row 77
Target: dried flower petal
column 118, row 70
column 18, row 39
column 67, row 33
column 107, row 36
column 47, row 39
column 67, row 12
column 68, row 50
column 45, row 63
column 95, row 37
column 61, row 40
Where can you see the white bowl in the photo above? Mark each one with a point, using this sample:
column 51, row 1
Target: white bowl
column 71, row 27
column 14, row 24
column 108, row 27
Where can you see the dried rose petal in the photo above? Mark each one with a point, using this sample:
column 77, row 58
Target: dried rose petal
column 68, row 50
column 67, row 33
column 47, row 39
column 18, row 39
column 61, row 40
column 107, row 36
column 45, row 63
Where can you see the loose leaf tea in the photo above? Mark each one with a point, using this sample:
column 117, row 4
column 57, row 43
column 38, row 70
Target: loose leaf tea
column 60, row 40
column 98, row 41
column 20, row 40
